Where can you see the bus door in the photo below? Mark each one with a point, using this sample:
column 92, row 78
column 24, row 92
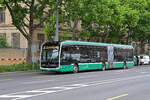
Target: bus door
column 110, row 50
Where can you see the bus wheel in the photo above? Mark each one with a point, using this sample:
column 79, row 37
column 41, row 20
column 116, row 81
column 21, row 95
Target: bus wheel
column 103, row 67
column 75, row 68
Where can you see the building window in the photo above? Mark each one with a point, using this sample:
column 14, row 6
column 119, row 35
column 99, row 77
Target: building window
column 41, row 39
column 16, row 40
column 2, row 16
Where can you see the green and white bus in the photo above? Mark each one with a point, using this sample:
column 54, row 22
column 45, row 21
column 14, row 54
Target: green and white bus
column 77, row 56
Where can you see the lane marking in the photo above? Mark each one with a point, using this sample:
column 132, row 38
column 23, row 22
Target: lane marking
column 16, row 96
column 143, row 72
column 5, row 80
column 44, row 91
column 116, row 97
column 36, row 91
column 19, row 95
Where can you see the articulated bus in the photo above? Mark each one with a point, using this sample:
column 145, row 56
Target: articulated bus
column 77, row 56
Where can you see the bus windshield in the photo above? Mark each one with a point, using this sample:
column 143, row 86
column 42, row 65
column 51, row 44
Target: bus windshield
column 50, row 55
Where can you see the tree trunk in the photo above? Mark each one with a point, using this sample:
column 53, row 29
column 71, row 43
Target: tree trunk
column 73, row 35
column 29, row 53
column 142, row 47
column 31, row 30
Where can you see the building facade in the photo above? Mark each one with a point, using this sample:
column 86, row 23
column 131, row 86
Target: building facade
column 14, row 38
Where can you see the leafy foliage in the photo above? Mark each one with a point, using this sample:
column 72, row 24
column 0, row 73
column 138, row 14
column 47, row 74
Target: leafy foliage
column 113, row 21
column 3, row 42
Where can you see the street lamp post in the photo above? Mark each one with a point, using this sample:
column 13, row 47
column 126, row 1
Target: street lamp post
column 57, row 21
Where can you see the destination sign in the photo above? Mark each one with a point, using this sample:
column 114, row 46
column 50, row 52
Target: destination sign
column 51, row 47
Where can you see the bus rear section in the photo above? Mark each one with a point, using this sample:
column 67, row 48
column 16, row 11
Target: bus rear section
column 123, row 57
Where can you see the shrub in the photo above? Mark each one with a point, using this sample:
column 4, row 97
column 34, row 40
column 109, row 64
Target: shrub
column 19, row 67
column 3, row 42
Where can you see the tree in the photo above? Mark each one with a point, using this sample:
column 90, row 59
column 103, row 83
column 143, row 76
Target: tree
column 28, row 15
column 102, row 19
column 141, row 30
column 71, row 12
column 49, row 28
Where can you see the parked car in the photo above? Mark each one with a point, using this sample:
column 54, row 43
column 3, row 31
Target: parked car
column 144, row 59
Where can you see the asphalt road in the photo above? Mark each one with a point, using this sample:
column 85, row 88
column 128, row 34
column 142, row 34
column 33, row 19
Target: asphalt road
column 129, row 84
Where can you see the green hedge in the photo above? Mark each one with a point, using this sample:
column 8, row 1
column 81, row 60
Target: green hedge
column 18, row 67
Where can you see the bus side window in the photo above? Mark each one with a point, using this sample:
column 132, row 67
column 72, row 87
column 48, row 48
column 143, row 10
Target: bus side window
column 116, row 54
column 86, row 54
column 103, row 54
column 130, row 55
column 96, row 55
column 65, row 54
column 74, row 54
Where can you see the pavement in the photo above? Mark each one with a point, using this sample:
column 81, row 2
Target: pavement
column 118, row 84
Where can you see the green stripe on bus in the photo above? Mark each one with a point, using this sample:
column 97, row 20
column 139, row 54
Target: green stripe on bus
column 89, row 66
column 63, row 68
column 118, row 64
column 66, row 68
column 106, row 65
column 130, row 64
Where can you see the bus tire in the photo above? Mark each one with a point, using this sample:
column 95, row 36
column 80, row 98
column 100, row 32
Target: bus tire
column 103, row 67
column 75, row 68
